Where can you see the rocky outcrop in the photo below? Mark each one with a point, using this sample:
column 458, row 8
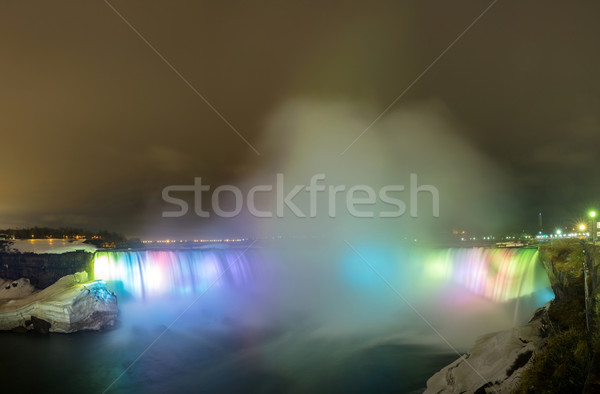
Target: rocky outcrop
column 13, row 289
column 71, row 304
column 563, row 262
column 496, row 362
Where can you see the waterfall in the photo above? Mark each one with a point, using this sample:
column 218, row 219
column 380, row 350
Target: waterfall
column 311, row 308
column 150, row 274
column 464, row 292
column 499, row 275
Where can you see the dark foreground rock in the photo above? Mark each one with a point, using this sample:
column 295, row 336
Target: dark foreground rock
column 40, row 325
column 496, row 362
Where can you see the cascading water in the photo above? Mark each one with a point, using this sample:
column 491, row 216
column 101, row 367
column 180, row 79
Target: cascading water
column 151, row 274
column 436, row 280
column 297, row 319
column 499, row 275
column 496, row 274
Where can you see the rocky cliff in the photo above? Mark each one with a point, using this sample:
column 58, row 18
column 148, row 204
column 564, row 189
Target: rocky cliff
column 71, row 304
column 496, row 362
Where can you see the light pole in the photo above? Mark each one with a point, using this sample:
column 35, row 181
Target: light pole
column 590, row 281
column 593, row 216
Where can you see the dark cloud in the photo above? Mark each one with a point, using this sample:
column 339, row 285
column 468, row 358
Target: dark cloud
column 95, row 124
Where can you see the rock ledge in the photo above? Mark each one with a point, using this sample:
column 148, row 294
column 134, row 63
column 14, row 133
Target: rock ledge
column 496, row 361
column 68, row 305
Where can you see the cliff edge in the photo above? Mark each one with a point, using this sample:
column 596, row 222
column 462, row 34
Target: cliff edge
column 71, row 304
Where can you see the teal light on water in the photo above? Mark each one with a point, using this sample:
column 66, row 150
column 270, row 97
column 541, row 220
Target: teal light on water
column 363, row 266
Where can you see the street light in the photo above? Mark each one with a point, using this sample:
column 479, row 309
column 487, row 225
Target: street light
column 588, row 273
column 594, row 231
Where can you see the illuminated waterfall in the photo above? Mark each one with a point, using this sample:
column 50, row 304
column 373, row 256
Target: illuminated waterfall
column 496, row 274
column 476, row 289
column 148, row 274
column 429, row 275
column 299, row 302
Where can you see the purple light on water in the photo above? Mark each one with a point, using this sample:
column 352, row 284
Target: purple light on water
column 151, row 274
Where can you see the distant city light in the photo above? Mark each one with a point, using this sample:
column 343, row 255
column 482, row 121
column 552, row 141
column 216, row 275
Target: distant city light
column 214, row 240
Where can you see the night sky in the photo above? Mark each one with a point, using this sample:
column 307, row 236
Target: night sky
column 94, row 123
